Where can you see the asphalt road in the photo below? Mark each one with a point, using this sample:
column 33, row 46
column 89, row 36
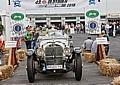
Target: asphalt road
column 91, row 74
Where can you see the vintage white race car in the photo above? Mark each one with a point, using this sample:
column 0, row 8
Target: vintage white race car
column 54, row 53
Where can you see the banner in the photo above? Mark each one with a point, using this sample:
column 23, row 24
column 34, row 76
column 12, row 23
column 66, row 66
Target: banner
column 92, row 18
column 18, row 23
column 17, row 18
column 55, row 3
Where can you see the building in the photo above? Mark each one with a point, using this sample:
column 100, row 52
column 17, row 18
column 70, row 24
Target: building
column 40, row 15
column 40, row 12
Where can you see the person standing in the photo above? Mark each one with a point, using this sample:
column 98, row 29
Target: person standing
column 28, row 38
column 106, row 45
column 82, row 28
column 2, row 48
column 94, row 49
column 88, row 44
column 78, row 28
column 114, row 29
column 72, row 29
column 107, row 27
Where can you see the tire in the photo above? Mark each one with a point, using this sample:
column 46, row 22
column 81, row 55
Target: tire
column 30, row 69
column 78, row 67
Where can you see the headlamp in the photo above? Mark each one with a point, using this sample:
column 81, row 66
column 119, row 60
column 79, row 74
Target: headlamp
column 66, row 51
column 40, row 52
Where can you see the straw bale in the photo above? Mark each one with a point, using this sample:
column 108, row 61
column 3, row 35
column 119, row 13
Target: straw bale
column 5, row 71
column 89, row 57
column 116, row 81
column 20, row 54
column 109, row 67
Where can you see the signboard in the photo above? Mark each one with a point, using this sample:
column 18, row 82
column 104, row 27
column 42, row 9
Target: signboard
column 102, row 40
column 17, row 27
column 92, row 2
column 10, row 44
column 17, row 16
column 92, row 25
column 92, row 18
column 18, row 22
column 92, row 13
column 17, row 3
column 92, row 22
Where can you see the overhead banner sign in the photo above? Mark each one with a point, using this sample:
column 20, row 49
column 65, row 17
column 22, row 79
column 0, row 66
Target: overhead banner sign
column 55, row 3
column 92, row 18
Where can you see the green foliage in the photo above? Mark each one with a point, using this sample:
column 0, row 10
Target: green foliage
column 1, row 27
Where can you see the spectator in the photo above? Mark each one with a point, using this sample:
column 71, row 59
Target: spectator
column 114, row 29
column 78, row 29
column 28, row 38
column 111, row 29
column 81, row 28
column 1, row 46
column 1, row 39
column 72, row 29
column 66, row 28
column 103, row 27
column 106, row 45
column 107, row 27
column 94, row 49
column 88, row 44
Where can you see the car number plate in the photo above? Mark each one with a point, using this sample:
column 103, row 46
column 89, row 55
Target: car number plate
column 54, row 66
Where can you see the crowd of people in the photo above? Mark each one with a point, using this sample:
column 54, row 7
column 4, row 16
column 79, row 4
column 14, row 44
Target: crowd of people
column 67, row 28
column 31, row 34
column 111, row 28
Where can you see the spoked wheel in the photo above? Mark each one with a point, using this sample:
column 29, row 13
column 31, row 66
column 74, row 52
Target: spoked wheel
column 31, row 69
column 78, row 67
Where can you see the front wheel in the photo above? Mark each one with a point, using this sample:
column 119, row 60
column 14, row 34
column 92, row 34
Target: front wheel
column 78, row 67
column 30, row 69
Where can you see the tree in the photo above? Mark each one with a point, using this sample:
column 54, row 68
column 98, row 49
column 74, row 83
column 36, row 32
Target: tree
column 1, row 27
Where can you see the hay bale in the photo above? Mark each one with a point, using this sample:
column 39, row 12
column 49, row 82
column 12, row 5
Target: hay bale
column 20, row 54
column 116, row 81
column 108, row 60
column 89, row 57
column 109, row 67
column 5, row 71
